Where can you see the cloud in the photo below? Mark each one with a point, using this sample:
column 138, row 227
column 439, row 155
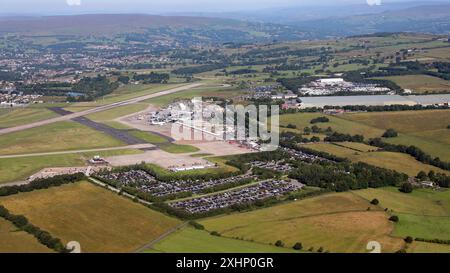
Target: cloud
column 73, row 2
column 374, row 2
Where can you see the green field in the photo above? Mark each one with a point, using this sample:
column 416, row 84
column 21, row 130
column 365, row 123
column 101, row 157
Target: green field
column 212, row 90
column 423, row 213
column 302, row 120
column 421, row 83
column 178, row 148
column 190, row 240
column 421, row 247
column 20, row 116
column 424, row 129
column 16, row 241
column 99, row 219
column 60, row 136
column 339, row 222
column 123, row 93
column 18, row 169
column 118, row 112
column 163, row 143
column 395, row 161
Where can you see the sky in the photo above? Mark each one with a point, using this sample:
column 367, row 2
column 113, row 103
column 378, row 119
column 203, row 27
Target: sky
column 159, row 6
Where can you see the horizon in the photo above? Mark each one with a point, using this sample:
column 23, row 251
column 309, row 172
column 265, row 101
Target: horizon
column 79, row 7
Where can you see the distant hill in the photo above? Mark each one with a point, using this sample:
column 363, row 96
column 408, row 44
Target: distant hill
column 430, row 19
column 177, row 27
column 105, row 23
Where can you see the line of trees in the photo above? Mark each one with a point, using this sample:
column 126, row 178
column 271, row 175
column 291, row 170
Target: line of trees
column 153, row 77
column 44, row 183
column 44, row 237
column 413, row 151
column 338, row 137
column 385, row 108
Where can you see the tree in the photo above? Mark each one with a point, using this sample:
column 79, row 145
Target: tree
column 406, row 188
column 394, row 218
column 374, row 202
column 390, row 133
column 307, row 130
column 215, row 233
column 279, row 243
column 291, row 126
column 123, row 79
column 422, row 176
column 298, row 246
column 409, row 240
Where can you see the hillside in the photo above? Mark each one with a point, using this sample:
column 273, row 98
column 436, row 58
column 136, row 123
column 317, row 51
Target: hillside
column 429, row 18
column 180, row 27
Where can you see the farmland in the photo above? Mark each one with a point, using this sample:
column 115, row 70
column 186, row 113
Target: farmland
column 423, row 213
column 19, row 169
column 424, row 129
column 16, row 241
column 189, row 240
column 337, row 222
column 20, row 116
column 421, row 84
column 389, row 160
column 115, row 225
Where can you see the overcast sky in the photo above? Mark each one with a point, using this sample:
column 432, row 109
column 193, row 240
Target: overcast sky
column 157, row 6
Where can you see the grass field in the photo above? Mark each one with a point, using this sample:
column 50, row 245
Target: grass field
column 20, row 116
column 206, row 91
column 339, row 222
column 59, row 136
column 407, row 122
column 190, row 240
column 423, row 213
column 164, row 143
column 19, row 169
column 424, row 129
column 302, row 120
column 421, row 83
column 100, row 220
column 118, row 112
column 123, row 93
column 178, row 148
column 421, row 247
column 395, row 161
column 16, row 241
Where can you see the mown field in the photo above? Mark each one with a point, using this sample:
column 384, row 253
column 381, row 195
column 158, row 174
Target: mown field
column 122, row 93
column 421, row 84
column 20, row 116
column 112, row 114
column 16, row 241
column 19, row 169
column 209, row 90
column 424, row 129
column 100, row 220
column 363, row 153
column 58, row 136
column 423, row 213
column 190, row 240
column 338, row 222
column 302, row 120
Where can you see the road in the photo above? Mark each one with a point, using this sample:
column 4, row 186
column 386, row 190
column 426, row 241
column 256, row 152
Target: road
column 137, row 147
column 98, row 109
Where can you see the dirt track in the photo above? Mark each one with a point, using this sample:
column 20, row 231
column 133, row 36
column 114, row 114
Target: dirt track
column 97, row 109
